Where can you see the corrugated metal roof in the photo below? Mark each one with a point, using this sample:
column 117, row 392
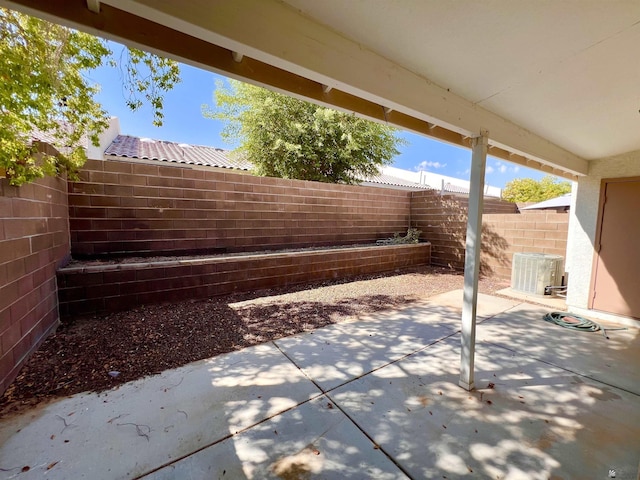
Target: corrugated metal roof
column 448, row 187
column 557, row 202
column 395, row 181
column 162, row 150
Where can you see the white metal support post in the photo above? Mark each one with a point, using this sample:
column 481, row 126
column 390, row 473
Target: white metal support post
column 472, row 260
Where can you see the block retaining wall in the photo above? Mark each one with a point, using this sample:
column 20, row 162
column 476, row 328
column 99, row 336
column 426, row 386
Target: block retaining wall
column 90, row 289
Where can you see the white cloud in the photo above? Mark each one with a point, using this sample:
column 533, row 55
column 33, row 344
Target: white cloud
column 424, row 165
column 516, row 169
column 490, row 169
column 503, row 168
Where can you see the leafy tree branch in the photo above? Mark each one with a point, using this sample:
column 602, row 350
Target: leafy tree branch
column 290, row 138
column 43, row 90
column 530, row 190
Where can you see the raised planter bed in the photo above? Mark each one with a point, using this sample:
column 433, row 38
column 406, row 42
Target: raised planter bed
column 110, row 287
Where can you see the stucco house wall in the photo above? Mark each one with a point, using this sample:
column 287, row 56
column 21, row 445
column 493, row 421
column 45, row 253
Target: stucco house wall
column 582, row 226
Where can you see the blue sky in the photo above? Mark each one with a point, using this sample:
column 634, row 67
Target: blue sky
column 184, row 123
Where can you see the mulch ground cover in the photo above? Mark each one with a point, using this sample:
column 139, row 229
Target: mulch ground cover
column 98, row 352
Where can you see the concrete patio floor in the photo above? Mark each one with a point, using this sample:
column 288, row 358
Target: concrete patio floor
column 373, row 398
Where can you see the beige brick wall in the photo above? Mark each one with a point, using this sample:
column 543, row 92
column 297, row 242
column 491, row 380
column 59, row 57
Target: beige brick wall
column 34, row 240
column 531, row 231
column 443, row 221
column 136, row 208
column 504, row 231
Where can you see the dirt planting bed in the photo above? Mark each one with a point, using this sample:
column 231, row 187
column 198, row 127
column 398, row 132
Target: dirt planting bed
column 85, row 352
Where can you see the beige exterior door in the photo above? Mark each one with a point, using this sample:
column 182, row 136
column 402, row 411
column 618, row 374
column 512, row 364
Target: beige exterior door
column 616, row 281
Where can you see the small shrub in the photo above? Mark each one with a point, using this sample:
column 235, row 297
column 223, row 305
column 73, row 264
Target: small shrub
column 412, row 236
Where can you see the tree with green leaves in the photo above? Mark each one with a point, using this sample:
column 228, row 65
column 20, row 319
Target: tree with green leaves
column 530, row 190
column 44, row 89
column 290, row 138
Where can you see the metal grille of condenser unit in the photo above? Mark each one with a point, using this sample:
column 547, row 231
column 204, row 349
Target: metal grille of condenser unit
column 532, row 272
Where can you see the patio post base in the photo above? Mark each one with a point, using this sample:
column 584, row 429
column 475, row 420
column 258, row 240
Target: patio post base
column 467, row 386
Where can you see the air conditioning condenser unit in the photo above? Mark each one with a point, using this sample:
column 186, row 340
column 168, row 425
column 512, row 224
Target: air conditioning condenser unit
column 533, row 272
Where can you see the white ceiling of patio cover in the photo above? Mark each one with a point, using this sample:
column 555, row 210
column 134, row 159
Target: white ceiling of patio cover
column 568, row 71
column 553, row 81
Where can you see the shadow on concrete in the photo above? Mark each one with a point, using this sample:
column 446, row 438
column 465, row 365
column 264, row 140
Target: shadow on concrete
column 376, row 398
column 527, row 419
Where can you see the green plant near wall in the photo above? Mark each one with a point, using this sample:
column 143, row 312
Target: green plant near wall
column 412, row 236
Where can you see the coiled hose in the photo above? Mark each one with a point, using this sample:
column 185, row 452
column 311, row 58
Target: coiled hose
column 576, row 322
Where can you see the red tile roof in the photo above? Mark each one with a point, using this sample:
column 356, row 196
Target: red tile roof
column 49, row 137
column 162, row 150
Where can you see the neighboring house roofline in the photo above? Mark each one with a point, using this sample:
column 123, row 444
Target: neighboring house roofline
column 561, row 202
column 436, row 181
column 148, row 150
column 390, row 181
column 127, row 146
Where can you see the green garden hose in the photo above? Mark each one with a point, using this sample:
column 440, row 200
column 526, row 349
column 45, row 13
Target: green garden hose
column 576, row 322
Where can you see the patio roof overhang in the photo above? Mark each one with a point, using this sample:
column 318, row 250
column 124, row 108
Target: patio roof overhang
column 272, row 44
column 554, row 84
column 547, row 85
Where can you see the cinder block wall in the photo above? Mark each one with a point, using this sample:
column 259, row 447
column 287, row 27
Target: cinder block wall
column 443, row 221
column 121, row 207
column 116, row 287
column 34, row 240
column 536, row 231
